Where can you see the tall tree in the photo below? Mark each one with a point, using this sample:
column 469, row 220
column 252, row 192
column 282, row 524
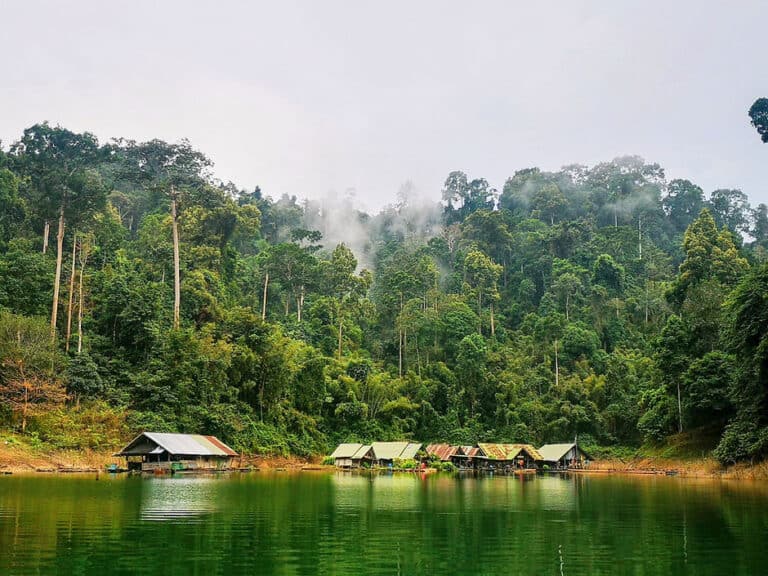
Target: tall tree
column 60, row 165
column 758, row 113
column 173, row 170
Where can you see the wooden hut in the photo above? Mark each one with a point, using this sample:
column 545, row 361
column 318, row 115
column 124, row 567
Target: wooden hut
column 442, row 452
column 524, row 456
column 363, row 457
column 506, row 457
column 563, row 456
column 342, row 456
column 385, row 453
column 159, row 451
column 465, row 457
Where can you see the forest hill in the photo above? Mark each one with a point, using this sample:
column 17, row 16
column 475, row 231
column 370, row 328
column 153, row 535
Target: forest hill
column 137, row 292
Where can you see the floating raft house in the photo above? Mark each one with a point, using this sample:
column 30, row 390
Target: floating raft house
column 160, row 451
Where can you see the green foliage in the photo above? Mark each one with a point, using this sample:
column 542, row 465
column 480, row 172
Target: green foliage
column 758, row 114
column 559, row 312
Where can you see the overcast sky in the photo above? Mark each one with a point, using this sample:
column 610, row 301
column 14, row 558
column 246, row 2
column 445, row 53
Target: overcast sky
column 310, row 97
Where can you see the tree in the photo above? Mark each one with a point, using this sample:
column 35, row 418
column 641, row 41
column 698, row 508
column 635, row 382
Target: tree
column 548, row 202
column 606, row 272
column 709, row 253
column 60, row 164
column 746, row 436
column 175, row 170
column 28, row 363
column 758, row 113
column 730, row 209
column 483, row 276
column 294, row 267
column 12, row 209
column 759, row 229
column 683, row 203
column 341, row 281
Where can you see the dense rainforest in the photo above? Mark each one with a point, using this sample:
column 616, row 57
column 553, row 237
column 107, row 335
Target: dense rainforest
column 139, row 292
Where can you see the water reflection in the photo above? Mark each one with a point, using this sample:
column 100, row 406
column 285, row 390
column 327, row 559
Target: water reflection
column 404, row 523
column 177, row 499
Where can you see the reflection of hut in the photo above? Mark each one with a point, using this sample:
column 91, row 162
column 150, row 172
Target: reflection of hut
column 506, row 457
column 385, row 453
column 152, row 451
column 565, row 455
column 342, row 456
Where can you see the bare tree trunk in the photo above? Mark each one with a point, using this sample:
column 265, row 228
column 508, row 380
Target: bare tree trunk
column 176, row 266
column 405, row 347
column 300, row 304
column 83, row 262
column 25, row 408
column 287, row 303
column 493, row 324
column 480, row 313
column 400, row 342
column 46, row 234
column 646, row 301
column 418, row 356
column 264, row 298
column 557, row 366
column 340, row 329
column 57, row 277
column 71, row 293
column 679, row 407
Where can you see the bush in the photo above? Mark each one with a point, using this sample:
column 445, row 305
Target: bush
column 96, row 426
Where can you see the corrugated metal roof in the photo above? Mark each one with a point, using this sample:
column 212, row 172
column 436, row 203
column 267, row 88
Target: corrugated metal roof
column 410, row 451
column 530, row 449
column 388, row 450
column 346, row 450
column 219, row 444
column 177, row 444
column 361, row 453
column 553, row 452
column 468, row 451
column 507, row 451
column 442, row 451
column 493, row 451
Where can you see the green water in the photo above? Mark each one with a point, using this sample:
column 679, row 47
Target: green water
column 319, row 523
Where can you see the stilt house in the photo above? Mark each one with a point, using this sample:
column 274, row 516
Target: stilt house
column 565, row 455
column 159, row 451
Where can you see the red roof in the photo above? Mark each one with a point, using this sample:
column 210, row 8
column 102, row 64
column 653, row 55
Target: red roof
column 442, row 451
column 219, row 444
column 468, row 451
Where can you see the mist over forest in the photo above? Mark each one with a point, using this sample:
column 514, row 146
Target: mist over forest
column 603, row 302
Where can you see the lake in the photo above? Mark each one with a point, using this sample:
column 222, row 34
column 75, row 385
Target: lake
column 338, row 523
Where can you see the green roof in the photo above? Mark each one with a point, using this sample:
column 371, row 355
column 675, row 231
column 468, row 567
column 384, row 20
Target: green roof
column 508, row 451
column 392, row 450
column 554, row 452
column 346, row 450
column 362, row 451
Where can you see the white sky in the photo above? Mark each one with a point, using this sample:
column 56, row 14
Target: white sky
column 308, row 97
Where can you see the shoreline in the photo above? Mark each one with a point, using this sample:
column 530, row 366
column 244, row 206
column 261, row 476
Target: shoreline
column 20, row 459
